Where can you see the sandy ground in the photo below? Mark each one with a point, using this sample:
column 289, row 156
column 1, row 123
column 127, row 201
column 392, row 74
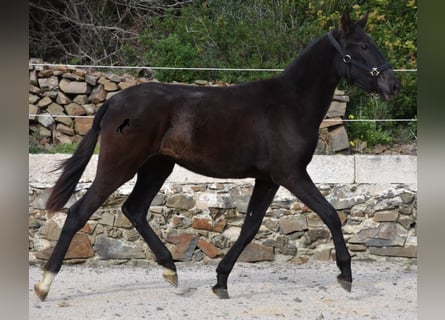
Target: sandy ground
column 381, row 290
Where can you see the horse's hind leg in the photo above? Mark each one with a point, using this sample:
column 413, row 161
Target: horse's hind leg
column 262, row 196
column 78, row 215
column 150, row 178
column 303, row 187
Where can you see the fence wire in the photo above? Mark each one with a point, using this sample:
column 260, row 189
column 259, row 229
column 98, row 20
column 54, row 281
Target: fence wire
column 70, row 66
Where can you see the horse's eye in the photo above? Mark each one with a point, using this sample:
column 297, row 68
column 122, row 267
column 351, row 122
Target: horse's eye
column 364, row 46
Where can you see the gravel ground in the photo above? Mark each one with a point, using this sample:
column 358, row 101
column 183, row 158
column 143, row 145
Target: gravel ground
column 381, row 290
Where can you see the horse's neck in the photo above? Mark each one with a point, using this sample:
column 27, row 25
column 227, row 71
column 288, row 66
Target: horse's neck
column 314, row 76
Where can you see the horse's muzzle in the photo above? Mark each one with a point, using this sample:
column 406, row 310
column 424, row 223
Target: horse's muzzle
column 389, row 85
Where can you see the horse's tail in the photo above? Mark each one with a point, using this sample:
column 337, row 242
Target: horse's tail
column 75, row 165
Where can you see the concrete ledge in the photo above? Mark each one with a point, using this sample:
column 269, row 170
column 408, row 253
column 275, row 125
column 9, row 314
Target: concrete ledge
column 386, row 169
column 332, row 169
column 322, row 169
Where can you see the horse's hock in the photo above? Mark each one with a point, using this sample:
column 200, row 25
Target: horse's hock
column 199, row 218
column 60, row 97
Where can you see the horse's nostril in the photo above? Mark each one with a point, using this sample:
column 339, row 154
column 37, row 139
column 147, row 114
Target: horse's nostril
column 396, row 87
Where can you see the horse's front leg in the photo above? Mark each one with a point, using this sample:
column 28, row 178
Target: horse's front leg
column 304, row 189
column 262, row 196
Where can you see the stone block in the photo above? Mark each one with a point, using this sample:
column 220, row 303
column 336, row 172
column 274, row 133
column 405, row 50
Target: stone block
column 202, row 224
column 336, row 109
column 109, row 248
column 386, row 216
column 44, row 102
column 82, row 125
column 74, row 87
column 74, row 109
column 180, row 201
column 55, row 109
column 339, row 139
column 208, row 248
column 293, row 224
column 256, row 252
column 80, row 248
column 98, row 94
column 408, row 252
column 184, row 245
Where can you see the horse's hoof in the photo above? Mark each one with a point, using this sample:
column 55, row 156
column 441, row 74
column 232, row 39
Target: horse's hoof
column 40, row 292
column 171, row 277
column 345, row 284
column 220, row 292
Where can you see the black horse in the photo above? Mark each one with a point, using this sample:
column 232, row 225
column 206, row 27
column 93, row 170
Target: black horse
column 265, row 129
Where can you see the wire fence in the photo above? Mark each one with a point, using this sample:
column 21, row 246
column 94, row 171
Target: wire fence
column 107, row 67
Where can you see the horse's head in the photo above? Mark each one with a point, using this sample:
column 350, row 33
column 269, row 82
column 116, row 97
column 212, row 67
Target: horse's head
column 360, row 61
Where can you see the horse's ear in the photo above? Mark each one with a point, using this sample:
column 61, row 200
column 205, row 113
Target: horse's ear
column 362, row 22
column 345, row 23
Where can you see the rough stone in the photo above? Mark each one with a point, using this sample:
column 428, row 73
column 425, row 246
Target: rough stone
column 293, row 224
column 74, row 87
column 387, row 234
column 208, row 248
column 255, row 252
column 110, row 86
column 65, row 129
column 126, row 84
column 323, row 253
column 80, row 248
column 180, row 221
column 81, row 99
column 336, row 109
column 90, row 108
column 313, row 235
column 107, row 219
column 83, row 125
column 405, row 209
column 109, row 248
column 74, row 109
column 32, row 98
column 219, row 225
column 62, row 98
column 32, row 109
column 339, row 139
column 98, row 94
column 407, row 221
column 50, row 231
column 55, row 109
column 60, row 138
column 202, row 224
column 72, row 76
column 180, row 201
column 386, row 216
column 343, row 198
column 45, row 120
column 122, row 222
column 408, row 252
column 407, row 197
column 113, row 77
column 240, row 198
column 48, row 83
column 184, row 245
column 357, row 247
column 65, row 121
column 44, row 102
column 91, row 79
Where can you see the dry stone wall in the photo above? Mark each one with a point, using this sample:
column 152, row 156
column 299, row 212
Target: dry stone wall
column 63, row 101
column 199, row 219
